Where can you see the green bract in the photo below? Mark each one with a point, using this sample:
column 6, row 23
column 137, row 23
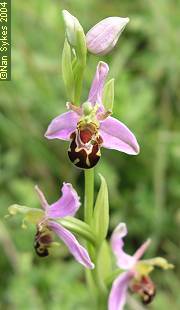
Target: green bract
column 100, row 220
column 67, row 71
column 104, row 264
column 108, row 95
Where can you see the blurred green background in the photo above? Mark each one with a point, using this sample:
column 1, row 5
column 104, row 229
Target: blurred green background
column 144, row 190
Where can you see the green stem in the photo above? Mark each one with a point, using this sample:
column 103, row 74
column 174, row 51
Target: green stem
column 88, row 213
column 89, row 195
column 102, row 302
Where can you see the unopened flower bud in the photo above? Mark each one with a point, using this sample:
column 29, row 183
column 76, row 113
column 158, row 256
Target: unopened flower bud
column 72, row 27
column 102, row 38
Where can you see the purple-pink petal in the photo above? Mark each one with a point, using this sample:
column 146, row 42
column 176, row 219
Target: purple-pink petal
column 95, row 94
column 66, row 205
column 117, row 136
column 142, row 249
column 62, row 126
column 124, row 260
column 118, row 294
column 77, row 250
column 42, row 198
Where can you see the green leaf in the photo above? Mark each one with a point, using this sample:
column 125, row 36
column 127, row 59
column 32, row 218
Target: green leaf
column 67, row 71
column 103, row 264
column 108, row 95
column 100, row 221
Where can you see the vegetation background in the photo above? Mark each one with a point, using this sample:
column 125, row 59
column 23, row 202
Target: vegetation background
column 144, row 190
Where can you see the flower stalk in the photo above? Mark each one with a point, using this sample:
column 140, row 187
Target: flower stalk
column 89, row 195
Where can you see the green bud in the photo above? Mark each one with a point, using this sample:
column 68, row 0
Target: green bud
column 108, row 95
column 77, row 40
column 72, row 27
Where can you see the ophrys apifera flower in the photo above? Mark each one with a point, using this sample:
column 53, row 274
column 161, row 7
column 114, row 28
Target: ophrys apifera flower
column 90, row 127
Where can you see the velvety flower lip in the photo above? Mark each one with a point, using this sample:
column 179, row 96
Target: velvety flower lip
column 66, row 205
column 115, row 134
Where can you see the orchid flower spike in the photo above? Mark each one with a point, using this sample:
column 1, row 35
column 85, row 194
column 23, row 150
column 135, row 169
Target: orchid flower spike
column 136, row 274
column 90, row 127
column 47, row 224
column 102, row 38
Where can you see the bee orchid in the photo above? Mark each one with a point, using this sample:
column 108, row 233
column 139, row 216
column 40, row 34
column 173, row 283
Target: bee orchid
column 46, row 220
column 90, row 127
column 136, row 271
